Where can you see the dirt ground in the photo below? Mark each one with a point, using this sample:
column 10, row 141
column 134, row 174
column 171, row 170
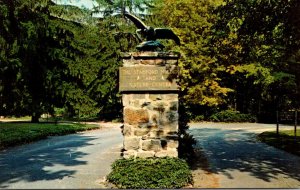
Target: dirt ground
column 202, row 175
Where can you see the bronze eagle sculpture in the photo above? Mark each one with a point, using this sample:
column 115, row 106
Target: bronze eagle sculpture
column 151, row 34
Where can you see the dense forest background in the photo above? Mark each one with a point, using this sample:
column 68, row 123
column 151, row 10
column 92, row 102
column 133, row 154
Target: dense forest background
column 239, row 57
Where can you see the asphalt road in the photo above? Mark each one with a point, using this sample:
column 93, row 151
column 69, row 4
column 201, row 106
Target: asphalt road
column 78, row 161
column 238, row 160
column 82, row 160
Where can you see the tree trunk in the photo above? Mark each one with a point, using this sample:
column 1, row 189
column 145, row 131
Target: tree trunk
column 35, row 117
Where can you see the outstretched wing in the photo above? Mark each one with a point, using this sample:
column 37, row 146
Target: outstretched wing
column 165, row 33
column 137, row 22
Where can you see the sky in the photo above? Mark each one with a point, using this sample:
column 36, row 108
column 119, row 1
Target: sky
column 80, row 3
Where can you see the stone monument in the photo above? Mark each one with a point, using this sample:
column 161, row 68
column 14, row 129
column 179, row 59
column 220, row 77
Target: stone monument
column 150, row 102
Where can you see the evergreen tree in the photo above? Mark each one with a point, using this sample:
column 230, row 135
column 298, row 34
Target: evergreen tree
column 46, row 61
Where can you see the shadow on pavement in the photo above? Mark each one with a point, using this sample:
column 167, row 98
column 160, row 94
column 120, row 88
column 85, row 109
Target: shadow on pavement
column 229, row 150
column 41, row 162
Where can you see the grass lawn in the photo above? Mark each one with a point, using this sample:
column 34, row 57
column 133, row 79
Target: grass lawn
column 285, row 141
column 16, row 133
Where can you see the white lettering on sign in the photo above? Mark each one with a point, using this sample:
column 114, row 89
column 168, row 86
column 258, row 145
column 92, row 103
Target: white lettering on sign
column 145, row 78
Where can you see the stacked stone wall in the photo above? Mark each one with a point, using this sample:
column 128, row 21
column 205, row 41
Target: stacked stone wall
column 150, row 125
column 150, row 117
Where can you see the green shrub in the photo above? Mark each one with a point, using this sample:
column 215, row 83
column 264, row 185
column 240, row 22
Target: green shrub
column 186, row 148
column 231, row 116
column 198, row 118
column 150, row 173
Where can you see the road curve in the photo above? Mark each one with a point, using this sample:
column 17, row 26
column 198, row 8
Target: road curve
column 238, row 160
column 73, row 161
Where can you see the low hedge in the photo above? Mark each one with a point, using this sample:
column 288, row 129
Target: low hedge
column 150, row 173
column 232, row 116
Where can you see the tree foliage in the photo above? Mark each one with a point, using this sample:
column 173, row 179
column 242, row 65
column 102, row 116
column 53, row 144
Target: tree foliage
column 60, row 56
column 255, row 40
column 236, row 54
column 192, row 21
column 24, row 47
column 48, row 61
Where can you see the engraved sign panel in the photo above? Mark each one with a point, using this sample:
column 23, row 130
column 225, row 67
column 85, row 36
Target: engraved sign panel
column 145, row 79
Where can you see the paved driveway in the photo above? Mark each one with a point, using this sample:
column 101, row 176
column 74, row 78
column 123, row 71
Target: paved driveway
column 77, row 161
column 238, row 160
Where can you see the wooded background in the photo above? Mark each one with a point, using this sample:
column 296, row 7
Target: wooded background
column 239, row 57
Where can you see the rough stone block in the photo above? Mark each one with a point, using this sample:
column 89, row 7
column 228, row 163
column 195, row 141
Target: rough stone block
column 174, row 106
column 128, row 101
column 173, row 97
column 156, row 133
column 125, row 55
column 172, row 152
column 164, row 144
column 166, row 119
column 155, row 97
column 126, row 98
column 135, row 103
column 152, row 126
column 138, row 96
column 128, row 62
column 129, row 154
column 144, row 54
column 143, row 125
column 153, row 55
column 160, row 106
column 141, row 132
column 152, row 61
column 145, row 154
column 135, row 116
column 146, row 104
column 161, row 154
column 171, row 61
column 172, row 116
column 172, row 137
column 131, row 143
column 172, row 144
column 152, row 144
column 127, row 130
column 171, row 133
column 154, row 119
column 165, row 153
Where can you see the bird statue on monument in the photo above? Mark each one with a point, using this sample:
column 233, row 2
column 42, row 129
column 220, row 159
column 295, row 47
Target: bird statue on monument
column 151, row 34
